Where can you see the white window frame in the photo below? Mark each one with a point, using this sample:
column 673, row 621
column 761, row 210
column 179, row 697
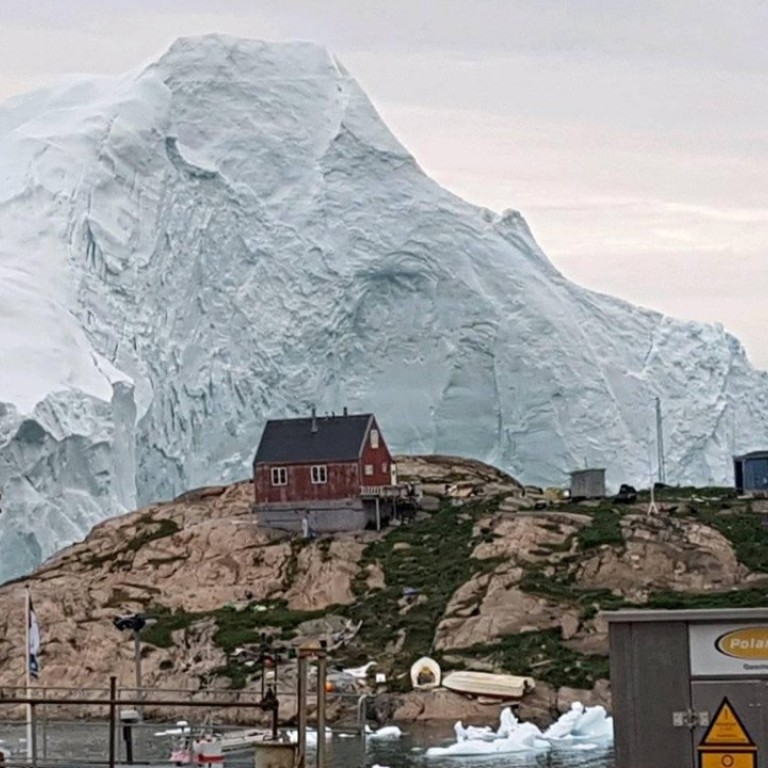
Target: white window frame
column 374, row 438
column 279, row 476
column 385, row 467
column 368, row 470
column 319, row 474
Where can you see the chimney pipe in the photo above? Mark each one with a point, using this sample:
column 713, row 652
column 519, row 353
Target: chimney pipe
column 346, row 413
column 314, row 419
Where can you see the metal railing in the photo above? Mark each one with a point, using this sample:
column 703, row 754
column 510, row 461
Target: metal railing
column 111, row 699
column 51, row 715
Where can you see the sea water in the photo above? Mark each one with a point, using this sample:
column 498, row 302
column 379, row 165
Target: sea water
column 69, row 743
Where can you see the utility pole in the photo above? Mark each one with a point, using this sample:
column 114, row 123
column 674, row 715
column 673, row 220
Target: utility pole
column 135, row 624
column 662, row 472
column 137, row 654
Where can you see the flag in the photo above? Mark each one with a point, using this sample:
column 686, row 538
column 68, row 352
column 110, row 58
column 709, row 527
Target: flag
column 33, row 633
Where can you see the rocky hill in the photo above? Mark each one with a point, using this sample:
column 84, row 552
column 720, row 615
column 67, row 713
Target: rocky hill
column 489, row 576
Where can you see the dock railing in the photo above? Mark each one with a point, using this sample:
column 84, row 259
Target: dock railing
column 107, row 721
column 41, row 701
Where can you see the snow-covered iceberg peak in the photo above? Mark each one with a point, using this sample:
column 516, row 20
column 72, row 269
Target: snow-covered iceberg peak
column 232, row 233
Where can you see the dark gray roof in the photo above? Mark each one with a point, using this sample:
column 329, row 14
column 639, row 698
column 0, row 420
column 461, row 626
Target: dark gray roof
column 752, row 455
column 289, row 441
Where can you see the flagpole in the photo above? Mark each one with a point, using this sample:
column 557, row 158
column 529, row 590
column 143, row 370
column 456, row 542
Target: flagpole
column 27, row 605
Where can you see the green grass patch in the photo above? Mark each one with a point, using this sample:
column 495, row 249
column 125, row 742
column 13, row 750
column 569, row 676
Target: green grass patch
column 746, row 533
column 683, row 493
column 605, row 529
column 160, row 633
column 435, row 565
column 741, row 598
column 559, row 588
column 234, row 627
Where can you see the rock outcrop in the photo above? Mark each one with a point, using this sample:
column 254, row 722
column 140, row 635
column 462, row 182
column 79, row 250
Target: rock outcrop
column 497, row 578
column 190, row 557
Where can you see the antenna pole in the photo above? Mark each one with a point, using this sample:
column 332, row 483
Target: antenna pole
column 660, row 444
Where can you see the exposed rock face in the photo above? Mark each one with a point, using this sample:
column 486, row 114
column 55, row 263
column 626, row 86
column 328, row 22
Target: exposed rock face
column 491, row 605
column 658, row 554
column 664, row 554
column 194, row 555
column 442, row 704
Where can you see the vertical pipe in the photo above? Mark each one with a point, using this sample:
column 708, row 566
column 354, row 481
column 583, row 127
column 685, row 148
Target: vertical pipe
column 33, row 730
column 662, row 470
column 302, row 705
column 275, row 662
column 378, row 515
column 361, row 717
column 137, row 655
column 274, row 719
column 128, row 739
column 45, row 727
column 31, row 757
column 112, row 719
column 321, row 670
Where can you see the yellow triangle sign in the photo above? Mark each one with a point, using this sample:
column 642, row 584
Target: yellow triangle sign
column 726, row 729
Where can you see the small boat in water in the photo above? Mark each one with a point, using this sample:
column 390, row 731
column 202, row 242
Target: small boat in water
column 208, row 747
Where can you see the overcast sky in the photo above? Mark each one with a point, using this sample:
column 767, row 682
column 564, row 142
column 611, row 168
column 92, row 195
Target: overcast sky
column 633, row 136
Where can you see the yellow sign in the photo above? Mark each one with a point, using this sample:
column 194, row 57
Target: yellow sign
column 728, row 760
column 747, row 643
column 727, row 744
column 726, row 730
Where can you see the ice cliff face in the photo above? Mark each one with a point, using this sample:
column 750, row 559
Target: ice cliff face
column 232, row 233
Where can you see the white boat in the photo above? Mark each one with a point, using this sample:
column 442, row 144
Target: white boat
column 208, row 747
column 488, row 684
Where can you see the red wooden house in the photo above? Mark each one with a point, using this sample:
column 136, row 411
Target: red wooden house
column 327, row 473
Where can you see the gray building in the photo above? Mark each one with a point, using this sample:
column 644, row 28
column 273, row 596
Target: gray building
column 689, row 687
column 751, row 472
column 588, row 484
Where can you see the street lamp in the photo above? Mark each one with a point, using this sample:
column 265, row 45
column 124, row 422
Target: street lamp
column 135, row 623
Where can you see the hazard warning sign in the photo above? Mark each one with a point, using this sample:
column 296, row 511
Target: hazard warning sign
column 727, row 743
column 728, row 760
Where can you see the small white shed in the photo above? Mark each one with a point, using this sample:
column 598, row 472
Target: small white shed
column 588, row 484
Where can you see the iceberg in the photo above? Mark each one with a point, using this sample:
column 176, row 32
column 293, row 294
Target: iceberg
column 581, row 728
column 231, row 233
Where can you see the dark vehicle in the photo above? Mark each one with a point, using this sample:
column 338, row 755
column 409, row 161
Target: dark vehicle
column 626, row 495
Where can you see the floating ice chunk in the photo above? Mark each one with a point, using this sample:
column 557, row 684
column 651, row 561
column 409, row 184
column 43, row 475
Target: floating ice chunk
column 565, row 724
column 471, row 732
column 525, row 738
column 580, row 728
column 507, row 722
column 581, row 724
column 293, row 736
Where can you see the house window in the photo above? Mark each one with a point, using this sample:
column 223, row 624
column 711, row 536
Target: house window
column 369, row 469
column 374, row 438
column 320, row 474
column 279, row 476
column 384, row 467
